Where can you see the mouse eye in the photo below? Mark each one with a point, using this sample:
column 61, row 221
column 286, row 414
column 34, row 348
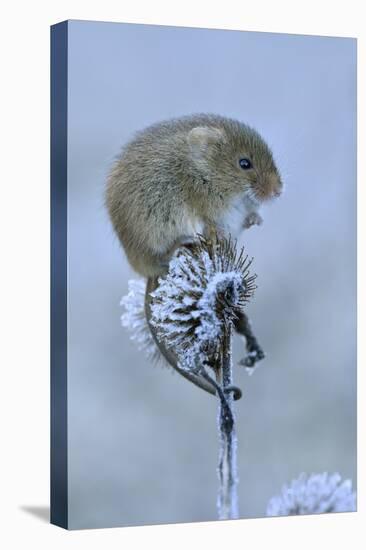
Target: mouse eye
column 245, row 164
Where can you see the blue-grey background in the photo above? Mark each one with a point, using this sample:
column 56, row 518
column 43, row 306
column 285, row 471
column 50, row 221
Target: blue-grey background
column 143, row 442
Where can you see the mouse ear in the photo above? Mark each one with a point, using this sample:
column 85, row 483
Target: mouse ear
column 201, row 137
column 201, row 141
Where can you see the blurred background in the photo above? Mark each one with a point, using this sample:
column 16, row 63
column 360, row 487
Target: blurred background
column 143, row 443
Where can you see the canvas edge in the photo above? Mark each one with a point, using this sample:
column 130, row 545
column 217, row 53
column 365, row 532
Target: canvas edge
column 58, row 212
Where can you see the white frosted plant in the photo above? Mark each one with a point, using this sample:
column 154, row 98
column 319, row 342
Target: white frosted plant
column 314, row 494
column 189, row 315
column 193, row 309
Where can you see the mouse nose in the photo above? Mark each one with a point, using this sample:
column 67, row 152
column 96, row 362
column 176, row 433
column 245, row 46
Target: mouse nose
column 278, row 187
column 274, row 185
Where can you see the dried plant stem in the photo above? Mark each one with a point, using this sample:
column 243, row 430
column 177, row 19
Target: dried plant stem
column 227, row 502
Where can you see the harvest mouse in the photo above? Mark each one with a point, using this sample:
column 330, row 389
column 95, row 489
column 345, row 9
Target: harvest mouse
column 195, row 174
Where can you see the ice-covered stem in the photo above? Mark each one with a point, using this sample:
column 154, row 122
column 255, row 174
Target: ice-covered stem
column 227, row 501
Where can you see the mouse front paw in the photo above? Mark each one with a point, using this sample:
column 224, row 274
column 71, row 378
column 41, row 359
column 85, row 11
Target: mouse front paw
column 252, row 219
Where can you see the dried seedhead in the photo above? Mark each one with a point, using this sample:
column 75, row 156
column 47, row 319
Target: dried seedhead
column 205, row 289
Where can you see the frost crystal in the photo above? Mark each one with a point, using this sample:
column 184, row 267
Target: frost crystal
column 314, row 494
column 134, row 318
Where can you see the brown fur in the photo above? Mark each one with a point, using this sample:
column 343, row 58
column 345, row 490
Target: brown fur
column 178, row 177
